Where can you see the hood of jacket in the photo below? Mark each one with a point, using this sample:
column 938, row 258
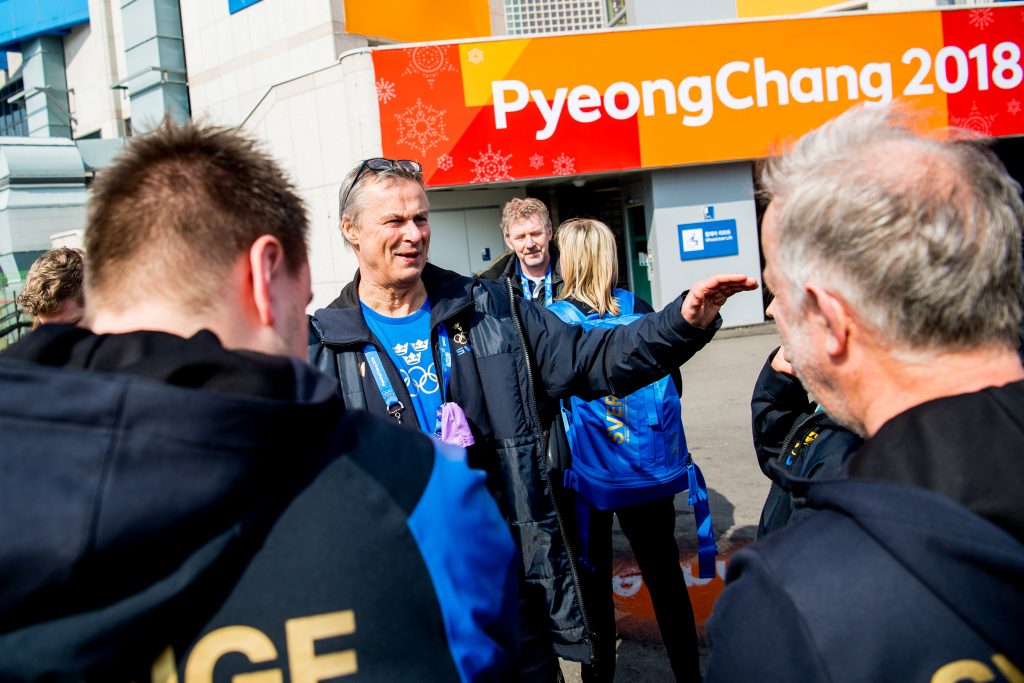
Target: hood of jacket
column 129, row 457
column 914, row 488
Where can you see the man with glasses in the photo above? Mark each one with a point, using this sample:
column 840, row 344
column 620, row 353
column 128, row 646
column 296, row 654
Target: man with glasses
column 466, row 360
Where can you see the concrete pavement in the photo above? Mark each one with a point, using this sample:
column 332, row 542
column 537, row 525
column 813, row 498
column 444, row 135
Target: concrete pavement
column 717, row 383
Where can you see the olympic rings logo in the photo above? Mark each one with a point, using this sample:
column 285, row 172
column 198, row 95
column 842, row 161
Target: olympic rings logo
column 420, row 380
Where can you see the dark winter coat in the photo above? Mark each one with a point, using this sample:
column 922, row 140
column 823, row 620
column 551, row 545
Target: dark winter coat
column 791, row 431
column 912, row 569
column 168, row 504
column 512, row 362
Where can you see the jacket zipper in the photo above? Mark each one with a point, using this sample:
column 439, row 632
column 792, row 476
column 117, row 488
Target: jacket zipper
column 786, row 447
column 542, row 461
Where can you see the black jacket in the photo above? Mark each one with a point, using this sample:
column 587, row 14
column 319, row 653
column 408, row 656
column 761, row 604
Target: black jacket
column 166, row 503
column 789, row 430
column 507, row 266
column 912, row 566
column 512, row 362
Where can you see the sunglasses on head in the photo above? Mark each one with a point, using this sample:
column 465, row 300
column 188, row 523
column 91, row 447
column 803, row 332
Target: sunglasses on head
column 381, row 164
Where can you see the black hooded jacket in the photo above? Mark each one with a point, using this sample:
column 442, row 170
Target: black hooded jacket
column 790, row 431
column 912, row 569
column 169, row 505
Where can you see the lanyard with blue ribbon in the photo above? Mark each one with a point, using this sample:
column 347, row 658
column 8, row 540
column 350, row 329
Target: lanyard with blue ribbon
column 446, row 372
column 395, row 406
column 527, row 289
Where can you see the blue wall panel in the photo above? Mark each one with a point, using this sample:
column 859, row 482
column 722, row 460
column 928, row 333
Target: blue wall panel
column 239, row 5
column 21, row 19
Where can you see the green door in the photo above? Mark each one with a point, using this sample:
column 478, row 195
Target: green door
column 636, row 233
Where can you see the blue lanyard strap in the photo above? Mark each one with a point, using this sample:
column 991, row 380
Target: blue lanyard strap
column 395, row 406
column 446, row 359
column 446, row 372
column 548, row 298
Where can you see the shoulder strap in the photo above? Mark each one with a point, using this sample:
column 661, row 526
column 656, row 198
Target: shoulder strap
column 707, row 549
column 567, row 312
column 626, row 301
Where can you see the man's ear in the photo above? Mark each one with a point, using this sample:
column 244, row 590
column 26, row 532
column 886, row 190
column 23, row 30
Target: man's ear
column 266, row 262
column 508, row 242
column 833, row 312
column 349, row 231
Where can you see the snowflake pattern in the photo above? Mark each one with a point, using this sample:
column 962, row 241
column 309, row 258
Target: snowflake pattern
column 476, row 55
column 445, row 162
column 491, row 166
column 536, row 161
column 385, row 91
column 975, row 120
column 563, row 165
column 421, row 126
column 1013, row 107
column 429, row 61
column 981, row 19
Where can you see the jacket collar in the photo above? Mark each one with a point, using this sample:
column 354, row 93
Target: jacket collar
column 342, row 323
column 507, row 265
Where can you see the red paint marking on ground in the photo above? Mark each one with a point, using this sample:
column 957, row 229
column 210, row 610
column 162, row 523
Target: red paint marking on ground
column 634, row 612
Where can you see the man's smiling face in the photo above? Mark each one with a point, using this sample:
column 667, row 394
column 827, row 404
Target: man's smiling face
column 391, row 234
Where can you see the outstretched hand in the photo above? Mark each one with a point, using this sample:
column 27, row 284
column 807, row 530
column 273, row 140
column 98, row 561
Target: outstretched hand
column 706, row 297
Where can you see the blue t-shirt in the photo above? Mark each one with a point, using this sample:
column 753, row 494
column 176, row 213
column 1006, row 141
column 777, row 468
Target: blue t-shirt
column 407, row 341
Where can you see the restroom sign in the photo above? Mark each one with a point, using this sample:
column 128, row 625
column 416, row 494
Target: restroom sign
column 709, row 239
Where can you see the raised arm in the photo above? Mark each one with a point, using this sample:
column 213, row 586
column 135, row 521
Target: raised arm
column 623, row 359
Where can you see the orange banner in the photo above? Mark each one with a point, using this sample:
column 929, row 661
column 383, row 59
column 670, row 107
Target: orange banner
column 418, row 20
column 525, row 108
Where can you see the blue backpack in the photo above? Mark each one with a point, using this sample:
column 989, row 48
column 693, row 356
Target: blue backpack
column 632, row 450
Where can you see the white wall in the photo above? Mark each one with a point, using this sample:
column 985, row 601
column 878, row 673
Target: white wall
column 678, row 196
column 234, row 59
column 463, row 223
column 94, row 57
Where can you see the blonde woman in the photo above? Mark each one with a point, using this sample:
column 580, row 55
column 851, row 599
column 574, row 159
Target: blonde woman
column 589, row 265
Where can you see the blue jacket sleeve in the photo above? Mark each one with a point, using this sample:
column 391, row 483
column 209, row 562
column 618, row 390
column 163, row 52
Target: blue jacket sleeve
column 572, row 362
column 471, row 558
column 756, row 632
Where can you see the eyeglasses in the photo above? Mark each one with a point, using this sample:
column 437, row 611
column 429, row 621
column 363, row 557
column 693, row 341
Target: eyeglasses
column 381, row 164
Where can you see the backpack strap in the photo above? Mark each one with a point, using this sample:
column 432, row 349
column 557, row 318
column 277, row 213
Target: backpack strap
column 627, row 304
column 707, row 550
column 567, row 312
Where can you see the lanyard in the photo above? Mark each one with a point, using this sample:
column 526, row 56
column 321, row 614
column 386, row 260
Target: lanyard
column 547, row 286
column 446, row 359
column 395, row 406
column 446, row 372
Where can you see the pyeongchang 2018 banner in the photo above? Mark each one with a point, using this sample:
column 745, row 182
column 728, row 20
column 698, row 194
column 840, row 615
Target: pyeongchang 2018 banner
column 514, row 109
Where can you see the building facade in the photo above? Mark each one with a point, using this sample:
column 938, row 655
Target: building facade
column 652, row 130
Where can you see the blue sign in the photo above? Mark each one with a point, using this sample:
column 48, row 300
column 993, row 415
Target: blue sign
column 708, row 240
column 239, row 5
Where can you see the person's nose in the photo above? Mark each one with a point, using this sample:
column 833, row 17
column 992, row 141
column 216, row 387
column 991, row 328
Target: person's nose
column 411, row 232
